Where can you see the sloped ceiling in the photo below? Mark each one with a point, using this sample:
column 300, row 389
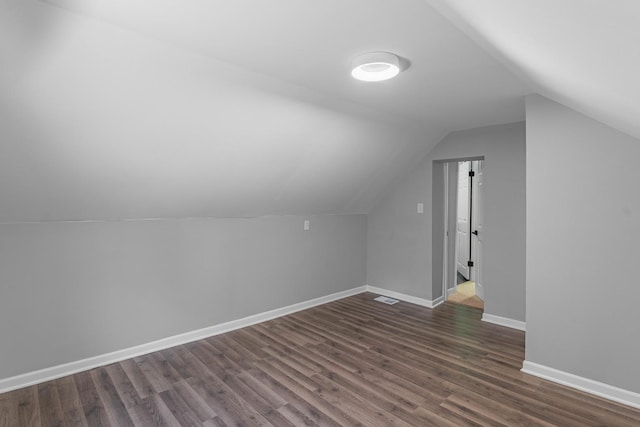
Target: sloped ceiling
column 583, row 54
column 187, row 108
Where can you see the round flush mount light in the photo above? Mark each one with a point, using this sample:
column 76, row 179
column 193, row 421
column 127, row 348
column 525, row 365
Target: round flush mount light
column 375, row 66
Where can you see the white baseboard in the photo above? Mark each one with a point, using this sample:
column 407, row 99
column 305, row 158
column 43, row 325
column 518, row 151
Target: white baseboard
column 452, row 291
column 404, row 297
column 52, row 373
column 436, row 302
column 597, row 388
column 504, row 321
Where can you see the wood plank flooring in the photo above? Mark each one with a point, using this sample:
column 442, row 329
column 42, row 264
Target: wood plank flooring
column 353, row 362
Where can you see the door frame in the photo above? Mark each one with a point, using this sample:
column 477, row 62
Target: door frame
column 477, row 208
column 445, row 235
column 463, row 234
column 449, row 272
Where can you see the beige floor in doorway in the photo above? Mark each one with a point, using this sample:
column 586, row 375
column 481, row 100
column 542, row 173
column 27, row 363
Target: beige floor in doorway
column 466, row 294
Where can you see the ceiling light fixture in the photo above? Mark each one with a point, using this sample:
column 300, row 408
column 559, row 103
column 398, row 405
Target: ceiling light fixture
column 376, row 66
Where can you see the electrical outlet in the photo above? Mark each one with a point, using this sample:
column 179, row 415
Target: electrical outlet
column 307, row 225
column 420, row 207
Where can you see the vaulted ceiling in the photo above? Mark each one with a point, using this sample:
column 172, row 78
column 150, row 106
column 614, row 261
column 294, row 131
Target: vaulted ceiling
column 583, row 54
column 182, row 108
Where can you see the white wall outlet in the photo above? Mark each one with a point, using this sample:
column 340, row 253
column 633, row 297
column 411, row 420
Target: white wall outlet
column 307, row 225
column 420, row 207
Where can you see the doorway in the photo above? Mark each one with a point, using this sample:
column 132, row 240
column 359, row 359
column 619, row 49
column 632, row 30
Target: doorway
column 464, row 218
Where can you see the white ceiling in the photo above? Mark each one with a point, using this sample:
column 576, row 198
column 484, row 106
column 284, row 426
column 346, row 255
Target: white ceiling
column 584, row 54
column 179, row 108
column 312, row 44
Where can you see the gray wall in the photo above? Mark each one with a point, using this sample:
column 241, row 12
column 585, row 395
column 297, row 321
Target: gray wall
column 399, row 241
column 80, row 289
column 583, row 222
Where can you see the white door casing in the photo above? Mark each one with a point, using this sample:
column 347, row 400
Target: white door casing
column 477, row 221
column 462, row 222
column 445, row 235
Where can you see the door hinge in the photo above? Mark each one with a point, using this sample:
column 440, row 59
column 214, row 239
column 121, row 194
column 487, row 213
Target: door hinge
column 472, row 173
column 469, row 263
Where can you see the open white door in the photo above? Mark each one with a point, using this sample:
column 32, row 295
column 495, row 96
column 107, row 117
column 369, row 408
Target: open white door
column 477, row 220
column 462, row 223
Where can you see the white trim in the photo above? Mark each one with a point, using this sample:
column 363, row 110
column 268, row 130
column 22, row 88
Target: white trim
column 597, row 388
column 52, row 373
column 445, row 234
column 504, row 321
column 406, row 298
column 452, row 291
column 436, row 302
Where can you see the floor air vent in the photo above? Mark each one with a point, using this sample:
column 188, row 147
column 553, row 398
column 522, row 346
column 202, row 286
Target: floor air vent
column 386, row 300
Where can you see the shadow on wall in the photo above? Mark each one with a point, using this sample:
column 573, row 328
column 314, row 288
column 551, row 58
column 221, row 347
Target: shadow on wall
column 27, row 33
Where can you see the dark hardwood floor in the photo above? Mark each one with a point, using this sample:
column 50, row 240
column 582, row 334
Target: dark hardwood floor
column 350, row 362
